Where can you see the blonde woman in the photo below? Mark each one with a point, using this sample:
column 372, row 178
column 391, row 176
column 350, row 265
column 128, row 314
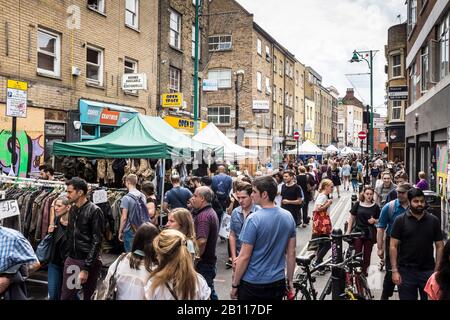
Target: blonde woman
column 181, row 219
column 175, row 277
column 321, row 218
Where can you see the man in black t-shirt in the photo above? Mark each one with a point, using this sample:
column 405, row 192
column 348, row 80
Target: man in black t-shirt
column 292, row 195
column 411, row 247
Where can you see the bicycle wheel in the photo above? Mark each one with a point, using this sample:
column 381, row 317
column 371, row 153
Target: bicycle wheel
column 362, row 287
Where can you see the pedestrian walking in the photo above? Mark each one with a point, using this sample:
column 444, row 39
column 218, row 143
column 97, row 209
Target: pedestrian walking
column 321, row 220
column 58, row 251
column 222, row 185
column 84, row 238
column 388, row 214
column 438, row 286
column 363, row 216
column 148, row 189
column 181, row 219
column 411, row 248
column 400, row 177
column 422, row 184
column 292, row 195
column 267, row 255
column 306, row 182
column 336, row 176
column 384, row 189
column 175, row 277
column 238, row 216
column 354, row 176
column 279, row 180
column 177, row 197
column 207, row 230
column 132, row 270
column 133, row 206
column 374, row 173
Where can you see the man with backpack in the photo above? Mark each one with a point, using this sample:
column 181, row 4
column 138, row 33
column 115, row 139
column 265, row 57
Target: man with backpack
column 388, row 215
column 221, row 185
column 134, row 212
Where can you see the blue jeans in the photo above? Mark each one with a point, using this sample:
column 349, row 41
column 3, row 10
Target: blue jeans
column 355, row 185
column 413, row 281
column 128, row 238
column 55, row 276
column 208, row 271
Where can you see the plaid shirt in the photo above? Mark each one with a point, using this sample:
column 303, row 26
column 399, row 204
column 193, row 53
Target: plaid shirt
column 14, row 249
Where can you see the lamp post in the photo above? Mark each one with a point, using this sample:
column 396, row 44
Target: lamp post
column 196, row 58
column 358, row 56
column 237, row 87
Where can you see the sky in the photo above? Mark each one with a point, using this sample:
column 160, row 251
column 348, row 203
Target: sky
column 323, row 34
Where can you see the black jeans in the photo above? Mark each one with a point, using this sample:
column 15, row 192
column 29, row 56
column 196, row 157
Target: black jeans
column 388, row 285
column 304, row 209
column 324, row 247
column 270, row 291
column 413, row 282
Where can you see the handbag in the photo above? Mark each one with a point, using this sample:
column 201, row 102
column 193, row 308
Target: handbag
column 321, row 223
column 108, row 290
column 44, row 249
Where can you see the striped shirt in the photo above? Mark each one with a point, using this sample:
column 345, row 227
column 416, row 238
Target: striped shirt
column 14, row 249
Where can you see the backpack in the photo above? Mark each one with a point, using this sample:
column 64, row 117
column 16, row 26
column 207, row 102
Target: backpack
column 139, row 215
column 391, row 210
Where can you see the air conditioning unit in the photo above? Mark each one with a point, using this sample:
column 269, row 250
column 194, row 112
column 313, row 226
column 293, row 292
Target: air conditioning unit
column 76, row 71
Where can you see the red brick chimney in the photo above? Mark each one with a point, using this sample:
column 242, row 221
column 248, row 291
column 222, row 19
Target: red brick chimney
column 350, row 94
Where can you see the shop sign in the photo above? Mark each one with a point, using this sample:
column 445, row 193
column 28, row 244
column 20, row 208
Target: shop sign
column 134, row 81
column 55, row 129
column 16, row 99
column 109, row 117
column 210, row 85
column 261, row 106
column 184, row 124
column 104, row 115
column 8, row 208
column 398, row 93
column 172, row 100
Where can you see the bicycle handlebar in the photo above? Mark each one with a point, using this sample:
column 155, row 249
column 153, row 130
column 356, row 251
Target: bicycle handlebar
column 344, row 236
column 343, row 263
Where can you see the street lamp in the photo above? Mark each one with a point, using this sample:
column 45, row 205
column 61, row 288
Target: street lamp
column 359, row 56
column 238, row 83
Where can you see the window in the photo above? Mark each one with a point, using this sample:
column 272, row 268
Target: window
column 94, row 65
column 97, row 5
column 425, row 78
column 219, row 115
column 281, row 68
column 267, row 53
column 49, row 53
column 199, row 43
column 296, row 102
column 131, row 13
column 286, row 99
column 412, row 83
column 174, row 80
column 259, row 47
column 268, row 88
column 396, row 110
column 130, row 66
column 274, row 122
column 274, row 96
column 259, row 81
column 219, row 43
column 443, row 47
column 281, row 96
column 275, row 65
column 175, row 29
column 223, row 77
column 396, row 65
column 296, row 77
column 412, row 14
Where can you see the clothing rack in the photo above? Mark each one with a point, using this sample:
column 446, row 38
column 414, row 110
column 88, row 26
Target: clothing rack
column 39, row 182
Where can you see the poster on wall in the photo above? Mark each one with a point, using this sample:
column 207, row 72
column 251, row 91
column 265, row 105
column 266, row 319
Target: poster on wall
column 441, row 169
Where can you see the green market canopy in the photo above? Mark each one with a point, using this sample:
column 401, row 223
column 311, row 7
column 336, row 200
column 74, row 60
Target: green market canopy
column 141, row 137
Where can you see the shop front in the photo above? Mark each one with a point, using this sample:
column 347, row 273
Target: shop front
column 184, row 125
column 396, row 141
column 98, row 119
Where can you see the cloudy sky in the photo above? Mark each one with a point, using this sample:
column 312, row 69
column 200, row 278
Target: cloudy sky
column 323, row 34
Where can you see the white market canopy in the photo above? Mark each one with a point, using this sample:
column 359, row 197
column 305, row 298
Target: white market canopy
column 307, row 148
column 347, row 150
column 212, row 135
column 332, row 149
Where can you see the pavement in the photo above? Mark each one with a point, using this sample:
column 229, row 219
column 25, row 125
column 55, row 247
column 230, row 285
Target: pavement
column 339, row 212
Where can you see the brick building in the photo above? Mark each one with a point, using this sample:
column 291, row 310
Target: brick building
column 352, row 110
column 334, row 118
column 73, row 56
column 395, row 52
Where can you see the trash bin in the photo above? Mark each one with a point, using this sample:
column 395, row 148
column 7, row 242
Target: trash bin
column 433, row 201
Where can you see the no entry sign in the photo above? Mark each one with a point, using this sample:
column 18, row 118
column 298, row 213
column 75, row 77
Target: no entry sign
column 296, row 135
column 362, row 135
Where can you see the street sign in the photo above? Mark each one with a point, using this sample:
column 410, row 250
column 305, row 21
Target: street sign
column 296, row 135
column 134, row 81
column 210, row 85
column 172, row 100
column 261, row 106
column 362, row 135
column 398, row 93
column 16, row 99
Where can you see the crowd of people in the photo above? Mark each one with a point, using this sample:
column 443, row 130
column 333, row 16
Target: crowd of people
column 177, row 260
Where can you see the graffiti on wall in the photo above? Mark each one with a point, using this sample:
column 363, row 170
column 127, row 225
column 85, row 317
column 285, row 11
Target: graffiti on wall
column 29, row 152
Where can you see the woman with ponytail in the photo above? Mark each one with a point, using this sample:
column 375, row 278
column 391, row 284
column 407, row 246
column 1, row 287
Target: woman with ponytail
column 175, row 277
